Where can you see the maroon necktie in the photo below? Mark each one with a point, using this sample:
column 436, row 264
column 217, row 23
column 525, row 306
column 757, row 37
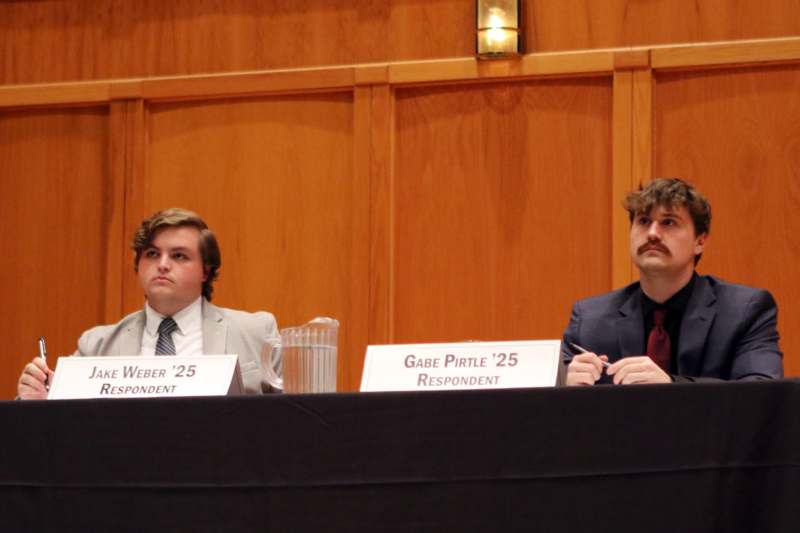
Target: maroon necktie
column 658, row 345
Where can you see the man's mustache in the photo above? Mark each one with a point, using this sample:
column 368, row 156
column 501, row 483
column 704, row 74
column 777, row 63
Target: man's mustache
column 652, row 246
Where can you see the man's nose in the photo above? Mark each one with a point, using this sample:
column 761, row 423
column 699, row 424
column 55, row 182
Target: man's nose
column 164, row 262
column 653, row 231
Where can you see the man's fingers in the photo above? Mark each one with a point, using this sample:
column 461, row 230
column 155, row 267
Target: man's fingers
column 580, row 378
column 582, row 367
column 34, row 371
column 590, row 358
column 36, row 381
column 28, row 393
column 29, row 388
column 642, row 369
column 28, row 381
column 639, row 378
column 624, row 362
column 31, row 383
column 626, row 373
column 41, row 364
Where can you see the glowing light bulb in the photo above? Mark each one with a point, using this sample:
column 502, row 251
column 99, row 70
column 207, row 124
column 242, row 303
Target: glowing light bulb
column 496, row 34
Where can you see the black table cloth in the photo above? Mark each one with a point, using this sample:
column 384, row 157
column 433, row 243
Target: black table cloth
column 694, row 457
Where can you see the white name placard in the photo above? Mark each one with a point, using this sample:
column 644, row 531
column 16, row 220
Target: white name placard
column 465, row 365
column 142, row 376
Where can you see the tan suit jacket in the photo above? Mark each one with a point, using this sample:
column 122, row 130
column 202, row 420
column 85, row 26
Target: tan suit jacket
column 225, row 331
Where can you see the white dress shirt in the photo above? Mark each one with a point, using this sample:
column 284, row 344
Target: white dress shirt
column 188, row 338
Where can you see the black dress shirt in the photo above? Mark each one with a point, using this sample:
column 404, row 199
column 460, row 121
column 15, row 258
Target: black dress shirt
column 675, row 308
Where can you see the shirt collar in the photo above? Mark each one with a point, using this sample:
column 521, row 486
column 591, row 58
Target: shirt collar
column 187, row 319
column 676, row 303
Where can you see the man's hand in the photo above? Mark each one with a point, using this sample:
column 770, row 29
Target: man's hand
column 585, row 369
column 31, row 384
column 639, row 369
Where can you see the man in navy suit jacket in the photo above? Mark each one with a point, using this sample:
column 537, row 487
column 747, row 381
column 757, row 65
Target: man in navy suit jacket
column 696, row 327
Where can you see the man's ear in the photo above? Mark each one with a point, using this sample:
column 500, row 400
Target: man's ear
column 700, row 243
column 205, row 273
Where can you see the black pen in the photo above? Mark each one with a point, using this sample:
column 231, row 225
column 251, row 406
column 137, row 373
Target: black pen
column 43, row 355
column 581, row 349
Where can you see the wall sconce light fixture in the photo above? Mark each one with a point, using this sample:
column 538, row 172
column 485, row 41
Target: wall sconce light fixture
column 498, row 33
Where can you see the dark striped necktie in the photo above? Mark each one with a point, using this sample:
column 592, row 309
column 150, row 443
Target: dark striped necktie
column 164, row 345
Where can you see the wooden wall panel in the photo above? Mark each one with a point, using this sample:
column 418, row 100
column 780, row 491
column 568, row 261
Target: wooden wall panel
column 433, row 29
column 54, row 211
column 275, row 179
column 101, row 39
column 577, row 24
column 736, row 135
column 210, row 36
column 502, row 206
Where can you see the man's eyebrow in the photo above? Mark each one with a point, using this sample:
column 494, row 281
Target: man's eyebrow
column 173, row 249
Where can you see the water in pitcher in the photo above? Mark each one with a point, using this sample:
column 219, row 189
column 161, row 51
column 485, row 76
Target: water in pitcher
column 309, row 357
column 309, row 368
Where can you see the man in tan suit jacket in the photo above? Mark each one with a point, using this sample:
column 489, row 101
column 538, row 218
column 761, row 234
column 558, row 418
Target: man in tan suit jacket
column 177, row 261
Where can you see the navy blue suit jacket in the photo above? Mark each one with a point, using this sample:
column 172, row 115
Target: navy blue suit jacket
column 728, row 331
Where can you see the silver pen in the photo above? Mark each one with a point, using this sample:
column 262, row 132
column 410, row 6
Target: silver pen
column 43, row 355
column 581, row 349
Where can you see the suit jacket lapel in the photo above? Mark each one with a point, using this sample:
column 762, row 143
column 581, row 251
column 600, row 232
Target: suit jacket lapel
column 697, row 320
column 630, row 326
column 130, row 342
column 215, row 330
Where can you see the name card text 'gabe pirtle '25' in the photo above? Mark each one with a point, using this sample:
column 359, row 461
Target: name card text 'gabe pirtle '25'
column 469, row 365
